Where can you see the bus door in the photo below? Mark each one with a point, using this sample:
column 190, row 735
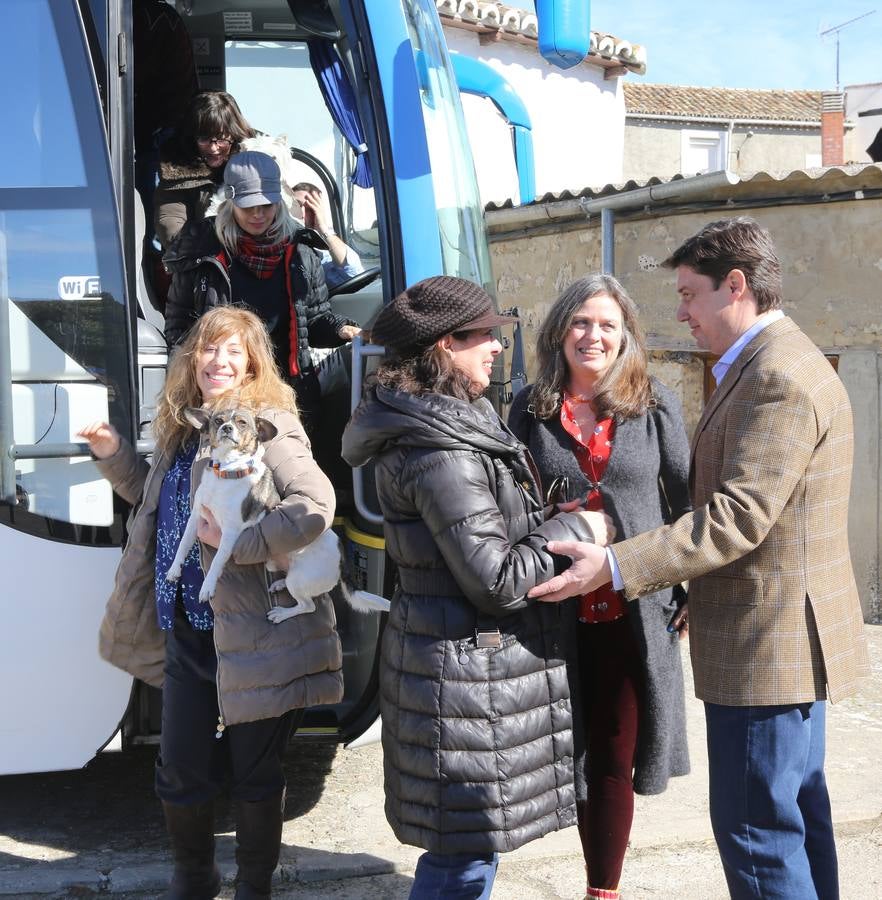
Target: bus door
column 289, row 66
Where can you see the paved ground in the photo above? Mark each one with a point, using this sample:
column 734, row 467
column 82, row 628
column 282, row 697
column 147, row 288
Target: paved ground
column 78, row 834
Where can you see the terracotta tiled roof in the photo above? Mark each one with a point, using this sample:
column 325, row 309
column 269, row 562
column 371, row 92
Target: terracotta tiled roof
column 722, row 103
column 511, row 22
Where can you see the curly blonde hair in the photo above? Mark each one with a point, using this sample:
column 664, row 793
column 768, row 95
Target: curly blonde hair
column 262, row 388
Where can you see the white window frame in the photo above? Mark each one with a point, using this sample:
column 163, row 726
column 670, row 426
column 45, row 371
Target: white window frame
column 694, row 139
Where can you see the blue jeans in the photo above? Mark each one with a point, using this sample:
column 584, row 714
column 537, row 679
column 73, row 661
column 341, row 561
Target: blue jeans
column 769, row 805
column 454, row 876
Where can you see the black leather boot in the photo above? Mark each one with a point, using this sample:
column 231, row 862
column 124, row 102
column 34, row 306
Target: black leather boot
column 258, row 843
column 191, row 829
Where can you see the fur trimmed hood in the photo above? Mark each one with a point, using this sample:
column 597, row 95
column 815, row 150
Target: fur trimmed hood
column 175, row 175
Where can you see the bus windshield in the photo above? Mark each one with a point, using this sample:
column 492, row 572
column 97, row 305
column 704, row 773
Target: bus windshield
column 460, row 215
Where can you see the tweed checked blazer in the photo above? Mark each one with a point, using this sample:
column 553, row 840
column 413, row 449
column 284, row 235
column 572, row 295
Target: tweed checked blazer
column 774, row 615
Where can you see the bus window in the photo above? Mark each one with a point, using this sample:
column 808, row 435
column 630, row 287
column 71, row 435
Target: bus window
column 460, row 214
column 62, row 286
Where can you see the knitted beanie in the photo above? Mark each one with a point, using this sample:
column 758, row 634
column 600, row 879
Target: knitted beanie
column 432, row 308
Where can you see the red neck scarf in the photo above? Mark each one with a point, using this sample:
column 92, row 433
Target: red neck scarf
column 259, row 257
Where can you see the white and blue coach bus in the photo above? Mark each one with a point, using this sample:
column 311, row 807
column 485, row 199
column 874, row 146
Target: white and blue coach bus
column 368, row 96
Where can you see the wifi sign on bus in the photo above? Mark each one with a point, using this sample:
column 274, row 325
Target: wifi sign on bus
column 76, row 287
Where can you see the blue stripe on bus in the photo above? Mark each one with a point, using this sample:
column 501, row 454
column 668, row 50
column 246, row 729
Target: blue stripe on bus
column 413, row 171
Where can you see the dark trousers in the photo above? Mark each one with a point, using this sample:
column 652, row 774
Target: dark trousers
column 194, row 766
column 769, row 805
column 611, row 682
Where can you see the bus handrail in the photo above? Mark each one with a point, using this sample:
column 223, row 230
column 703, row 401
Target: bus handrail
column 65, row 451
column 7, row 466
column 360, row 351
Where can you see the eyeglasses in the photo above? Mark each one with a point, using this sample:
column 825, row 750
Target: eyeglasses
column 220, row 143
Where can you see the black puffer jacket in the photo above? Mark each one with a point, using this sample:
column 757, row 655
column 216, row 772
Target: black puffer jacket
column 200, row 282
column 477, row 740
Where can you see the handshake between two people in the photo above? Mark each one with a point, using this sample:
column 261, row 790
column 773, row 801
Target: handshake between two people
column 590, row 569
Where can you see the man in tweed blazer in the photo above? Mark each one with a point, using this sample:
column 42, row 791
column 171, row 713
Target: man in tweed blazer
column 774, row 616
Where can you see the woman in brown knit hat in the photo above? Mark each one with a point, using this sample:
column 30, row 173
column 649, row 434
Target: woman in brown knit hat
column 477, row 727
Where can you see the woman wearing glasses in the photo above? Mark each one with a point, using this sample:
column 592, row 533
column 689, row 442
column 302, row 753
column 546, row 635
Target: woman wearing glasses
column 192, row 163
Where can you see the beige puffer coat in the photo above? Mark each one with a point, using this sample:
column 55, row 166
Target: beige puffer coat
column 263, row 670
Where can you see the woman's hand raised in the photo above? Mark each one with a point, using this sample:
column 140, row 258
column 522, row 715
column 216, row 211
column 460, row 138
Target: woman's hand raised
column 103, row 439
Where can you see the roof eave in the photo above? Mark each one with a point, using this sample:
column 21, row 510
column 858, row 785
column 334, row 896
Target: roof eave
column 489, row 35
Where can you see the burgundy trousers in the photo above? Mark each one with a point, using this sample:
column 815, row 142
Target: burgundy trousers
column 611, row 683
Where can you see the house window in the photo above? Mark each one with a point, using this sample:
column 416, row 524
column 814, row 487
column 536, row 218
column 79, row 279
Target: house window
column 703, row 151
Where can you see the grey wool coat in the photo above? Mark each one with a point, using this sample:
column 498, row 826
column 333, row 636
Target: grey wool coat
column 645, row 485
column 477, row 738
column 263, row 670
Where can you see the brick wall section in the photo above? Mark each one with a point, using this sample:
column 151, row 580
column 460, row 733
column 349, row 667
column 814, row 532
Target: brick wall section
column 832, row 129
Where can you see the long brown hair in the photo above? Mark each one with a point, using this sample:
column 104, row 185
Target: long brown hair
column 431, row 371
column 624, row 390
column 261, row 389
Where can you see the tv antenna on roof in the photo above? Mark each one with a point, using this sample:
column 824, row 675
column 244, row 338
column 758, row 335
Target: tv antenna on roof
column 835, row 29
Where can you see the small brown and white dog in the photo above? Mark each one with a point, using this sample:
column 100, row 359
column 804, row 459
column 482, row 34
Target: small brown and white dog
column 238, row 490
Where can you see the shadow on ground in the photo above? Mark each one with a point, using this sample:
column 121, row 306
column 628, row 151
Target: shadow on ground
column 106, row 817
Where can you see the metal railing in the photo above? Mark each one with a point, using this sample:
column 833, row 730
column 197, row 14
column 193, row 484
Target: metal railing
column 360, row 351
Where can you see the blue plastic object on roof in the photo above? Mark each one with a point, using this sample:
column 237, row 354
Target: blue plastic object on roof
column 564, row 31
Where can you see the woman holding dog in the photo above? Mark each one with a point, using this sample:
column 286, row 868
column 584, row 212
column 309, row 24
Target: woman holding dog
column 477, row 739
column 256, row 254
column 595, row 417
column 231, row 680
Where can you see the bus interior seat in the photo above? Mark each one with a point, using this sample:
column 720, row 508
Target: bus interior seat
column 151, row 297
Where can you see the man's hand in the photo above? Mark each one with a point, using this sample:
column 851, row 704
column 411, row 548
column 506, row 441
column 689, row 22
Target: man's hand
column 588, row 572
column 313, row 217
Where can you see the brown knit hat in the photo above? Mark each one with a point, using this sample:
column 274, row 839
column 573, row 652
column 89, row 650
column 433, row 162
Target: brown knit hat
column 431, row 308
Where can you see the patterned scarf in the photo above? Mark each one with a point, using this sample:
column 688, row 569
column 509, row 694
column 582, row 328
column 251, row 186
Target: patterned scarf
column 260, row 258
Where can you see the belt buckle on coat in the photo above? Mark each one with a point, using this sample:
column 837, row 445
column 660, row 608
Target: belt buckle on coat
column 490, row 638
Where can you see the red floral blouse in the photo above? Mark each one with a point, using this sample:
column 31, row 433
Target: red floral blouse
column 604, row 604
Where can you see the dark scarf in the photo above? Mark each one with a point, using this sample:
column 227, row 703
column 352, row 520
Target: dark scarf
column 260, row 257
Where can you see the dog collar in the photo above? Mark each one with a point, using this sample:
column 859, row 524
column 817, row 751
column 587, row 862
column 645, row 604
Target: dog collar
column 248, row 469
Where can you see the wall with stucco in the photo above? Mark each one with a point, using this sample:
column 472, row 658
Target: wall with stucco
column 578, row 120
column 653, row 148
column 831, row 257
